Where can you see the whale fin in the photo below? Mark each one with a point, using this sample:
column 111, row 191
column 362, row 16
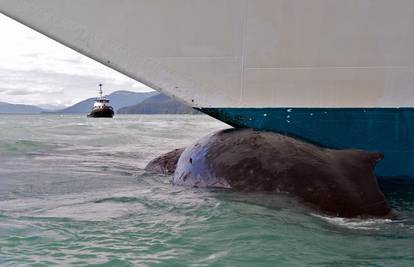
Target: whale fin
column 374, row 157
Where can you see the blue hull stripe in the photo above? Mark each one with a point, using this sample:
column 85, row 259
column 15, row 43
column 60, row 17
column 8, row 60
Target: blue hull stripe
column 388, row 130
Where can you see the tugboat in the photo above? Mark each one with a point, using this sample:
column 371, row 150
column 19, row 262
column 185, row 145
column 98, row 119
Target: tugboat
column 101, row 107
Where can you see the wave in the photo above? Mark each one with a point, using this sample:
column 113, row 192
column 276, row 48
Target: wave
column 355, row 223
column 22, row 146
column 118, row 200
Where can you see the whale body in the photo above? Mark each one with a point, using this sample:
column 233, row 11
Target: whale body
column 166, row 163
column 336, row 182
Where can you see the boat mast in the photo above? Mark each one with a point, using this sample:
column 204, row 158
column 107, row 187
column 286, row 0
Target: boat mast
column 100, row 90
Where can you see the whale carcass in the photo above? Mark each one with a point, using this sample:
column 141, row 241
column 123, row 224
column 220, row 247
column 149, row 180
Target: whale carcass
column 336, row 182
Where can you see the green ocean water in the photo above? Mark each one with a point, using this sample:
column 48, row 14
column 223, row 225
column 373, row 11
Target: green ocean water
column 73, row 193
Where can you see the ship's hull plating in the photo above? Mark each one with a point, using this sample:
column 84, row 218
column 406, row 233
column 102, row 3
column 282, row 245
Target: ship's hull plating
column 101, row 113
column 388, row 130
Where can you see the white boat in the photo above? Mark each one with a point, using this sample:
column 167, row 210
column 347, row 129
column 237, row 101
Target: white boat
column 339, row 73
column 101, row 107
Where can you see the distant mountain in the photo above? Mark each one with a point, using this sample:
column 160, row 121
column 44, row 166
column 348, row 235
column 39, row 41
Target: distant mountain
column 158, row 104
column 118, row 99
column 19, row 109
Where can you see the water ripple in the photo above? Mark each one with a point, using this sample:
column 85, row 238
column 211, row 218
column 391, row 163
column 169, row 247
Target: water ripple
column 78, row 199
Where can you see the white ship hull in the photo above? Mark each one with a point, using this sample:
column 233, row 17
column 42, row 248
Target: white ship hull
column 335, row 72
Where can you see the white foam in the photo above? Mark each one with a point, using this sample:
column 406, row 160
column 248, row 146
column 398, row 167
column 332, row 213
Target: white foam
column 355, row 223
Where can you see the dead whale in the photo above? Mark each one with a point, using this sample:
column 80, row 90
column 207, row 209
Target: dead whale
column 336, row 182
column 166, row 163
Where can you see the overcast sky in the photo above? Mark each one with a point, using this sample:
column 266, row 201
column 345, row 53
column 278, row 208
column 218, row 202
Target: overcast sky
column 37, row 70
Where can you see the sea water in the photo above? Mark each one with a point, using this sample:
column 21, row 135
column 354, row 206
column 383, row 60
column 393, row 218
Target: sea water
column 73, row 192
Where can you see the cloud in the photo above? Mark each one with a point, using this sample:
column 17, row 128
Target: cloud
column 17, row 92
column 37, row 70
column 25, row 91
column 42, row 87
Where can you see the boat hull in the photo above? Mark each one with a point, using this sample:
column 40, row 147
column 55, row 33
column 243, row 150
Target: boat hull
column 102, row 113
column 267, row 53
column 387, row 130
